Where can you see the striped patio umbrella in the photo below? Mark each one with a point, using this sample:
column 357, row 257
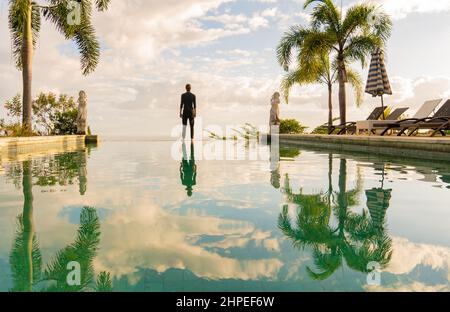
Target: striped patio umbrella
column 378, row 201
column 378, row 82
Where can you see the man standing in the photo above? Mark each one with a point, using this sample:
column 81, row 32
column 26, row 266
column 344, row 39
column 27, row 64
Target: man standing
column 188, row 112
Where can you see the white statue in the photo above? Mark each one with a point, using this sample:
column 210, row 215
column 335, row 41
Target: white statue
column 82, row 114
column 275, row 111
column 275, row 121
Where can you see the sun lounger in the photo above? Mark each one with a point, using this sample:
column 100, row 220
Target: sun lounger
column 372, row 125
column 439, row 123
column 351, row 126
column 424, row 112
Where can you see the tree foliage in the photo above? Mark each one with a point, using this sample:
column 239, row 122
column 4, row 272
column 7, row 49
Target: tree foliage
column 326, row 48
column 57, row 12
column 291, row 126
column 53, row 114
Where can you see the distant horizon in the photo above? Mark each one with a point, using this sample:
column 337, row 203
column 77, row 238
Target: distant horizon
column 226, row 50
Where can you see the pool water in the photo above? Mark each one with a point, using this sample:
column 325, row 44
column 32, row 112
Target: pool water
column 128, row 216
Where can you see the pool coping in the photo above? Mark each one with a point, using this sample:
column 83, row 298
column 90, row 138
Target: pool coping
column 437, row 149
column 12, row 147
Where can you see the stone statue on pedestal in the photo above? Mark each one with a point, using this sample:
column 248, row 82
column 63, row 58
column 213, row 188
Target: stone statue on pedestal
column 275, row 119
column 82, row 114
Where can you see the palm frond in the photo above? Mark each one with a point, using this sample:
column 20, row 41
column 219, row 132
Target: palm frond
column 357, row 19
column 325, row 15
column 104, row 283
column 316, row 44
column 102, row 5
column 326, row 263
column 83, row 34
column 285, row 223
column 17, row 17
column 380, row 252
column 381, row 24
column 292, row 39
column 88, row 46
column 355, row 80
column 360, row 47
column 301, row 76
column 82, row 251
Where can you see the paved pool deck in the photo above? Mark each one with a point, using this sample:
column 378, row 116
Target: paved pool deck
column 433, row 149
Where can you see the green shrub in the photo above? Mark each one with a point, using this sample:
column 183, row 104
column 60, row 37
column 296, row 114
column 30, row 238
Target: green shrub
column 66, row 122
column 291, row 126
column 16, row 130
column 321, row 130
column 47, row 107
column 289, row 152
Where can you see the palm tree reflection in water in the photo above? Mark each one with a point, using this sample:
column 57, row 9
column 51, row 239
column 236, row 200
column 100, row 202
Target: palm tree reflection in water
column 356, row 238
column 26, row 260
column 25, row 257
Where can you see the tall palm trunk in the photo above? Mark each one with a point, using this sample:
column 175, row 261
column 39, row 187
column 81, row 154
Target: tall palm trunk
column 330, row 106
column 330, row 173
column 342, row 91
column 27, row 70
column 330, row 181
column 342, row 197
column 28, row 224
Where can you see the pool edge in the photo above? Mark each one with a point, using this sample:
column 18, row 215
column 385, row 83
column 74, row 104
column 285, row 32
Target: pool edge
column 437, row 149
column 12, row 148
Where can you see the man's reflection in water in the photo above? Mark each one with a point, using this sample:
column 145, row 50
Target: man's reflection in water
column 188, row 170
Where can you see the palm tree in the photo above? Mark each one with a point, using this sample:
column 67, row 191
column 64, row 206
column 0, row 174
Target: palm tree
column 25, row 24
column 350, row 38
column 354, row 239
column 26, row 259
column 319, row 70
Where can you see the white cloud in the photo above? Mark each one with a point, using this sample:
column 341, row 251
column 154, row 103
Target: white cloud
column 147, row 236
column 148, row 57
column 412, row 287
column 400, row 9
column 408, row 255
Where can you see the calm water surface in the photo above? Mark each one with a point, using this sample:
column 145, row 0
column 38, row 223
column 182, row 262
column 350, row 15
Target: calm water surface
column 135, row 219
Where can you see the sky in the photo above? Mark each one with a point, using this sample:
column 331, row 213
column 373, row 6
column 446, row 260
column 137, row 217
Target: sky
column 226, row 50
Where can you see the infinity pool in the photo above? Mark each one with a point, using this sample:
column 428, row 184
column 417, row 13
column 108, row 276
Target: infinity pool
column 135, row 218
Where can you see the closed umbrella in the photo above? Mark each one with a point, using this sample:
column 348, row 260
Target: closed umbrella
column 378, row 82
